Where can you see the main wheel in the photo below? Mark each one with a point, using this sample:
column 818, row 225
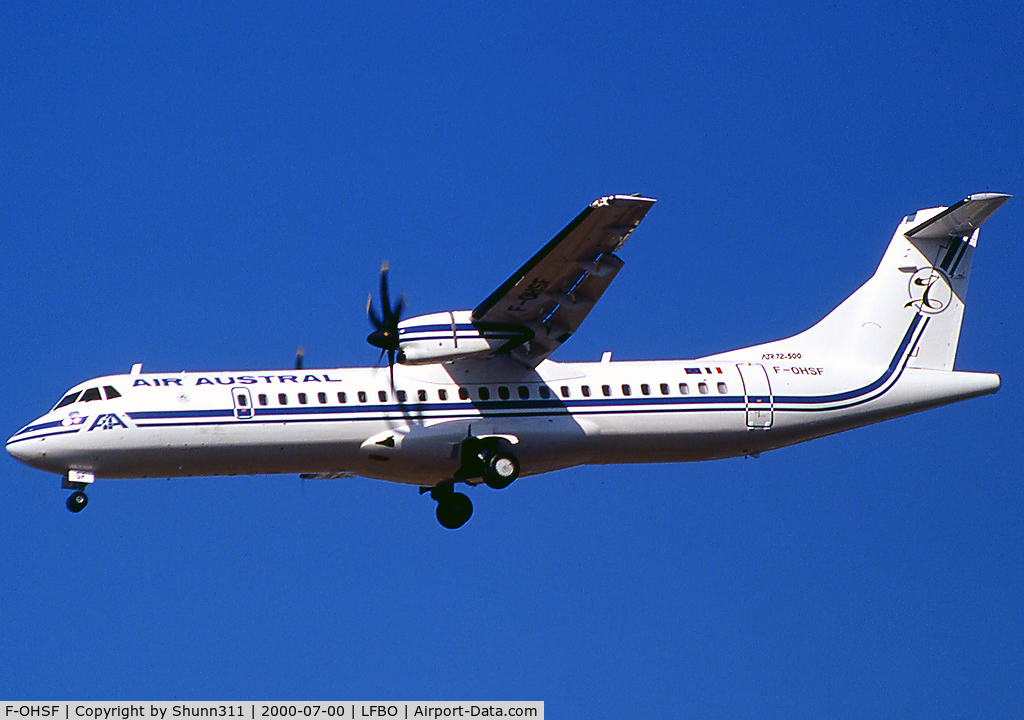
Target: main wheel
column 501, row 469
column 77, row 501
column 454, row 510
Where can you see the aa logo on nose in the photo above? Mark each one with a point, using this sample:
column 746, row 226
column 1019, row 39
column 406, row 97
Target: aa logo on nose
column 107, row 421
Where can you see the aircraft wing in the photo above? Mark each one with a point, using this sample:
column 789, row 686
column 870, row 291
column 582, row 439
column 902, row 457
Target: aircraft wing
column 557, row 287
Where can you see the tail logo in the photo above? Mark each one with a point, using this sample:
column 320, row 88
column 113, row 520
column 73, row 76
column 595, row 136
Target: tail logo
column 929, row 291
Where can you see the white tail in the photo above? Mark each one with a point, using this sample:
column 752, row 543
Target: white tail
column 915, row 299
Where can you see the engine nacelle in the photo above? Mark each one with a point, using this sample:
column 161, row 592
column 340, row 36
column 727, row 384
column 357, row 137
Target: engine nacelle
column 440, row 337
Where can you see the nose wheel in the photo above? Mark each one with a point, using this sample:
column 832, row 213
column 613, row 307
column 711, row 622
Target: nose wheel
column 77, row 501
column 77, row 480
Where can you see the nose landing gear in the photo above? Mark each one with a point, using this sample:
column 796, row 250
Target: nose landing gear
column 77, row 480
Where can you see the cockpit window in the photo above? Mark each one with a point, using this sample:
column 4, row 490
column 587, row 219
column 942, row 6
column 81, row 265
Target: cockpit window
column 111, row 392
column 91, row 394
column 68, row 399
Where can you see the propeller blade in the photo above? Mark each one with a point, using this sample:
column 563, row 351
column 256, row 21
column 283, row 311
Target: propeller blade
column 385, row 323
column 399, row 307
column 385, row 301
column 372, row 314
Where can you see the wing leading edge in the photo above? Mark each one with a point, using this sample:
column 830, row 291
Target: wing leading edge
column 555, row 290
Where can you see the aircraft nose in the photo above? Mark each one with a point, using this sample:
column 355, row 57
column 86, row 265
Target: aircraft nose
column 24, row 450
column 17, row 450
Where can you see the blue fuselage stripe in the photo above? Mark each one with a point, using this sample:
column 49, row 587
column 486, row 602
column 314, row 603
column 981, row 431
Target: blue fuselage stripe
column 522, row 408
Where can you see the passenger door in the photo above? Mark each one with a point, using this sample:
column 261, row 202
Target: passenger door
column 758, row 395
column 243, row 403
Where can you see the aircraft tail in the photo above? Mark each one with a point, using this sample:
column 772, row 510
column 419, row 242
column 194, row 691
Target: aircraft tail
column 915, row 300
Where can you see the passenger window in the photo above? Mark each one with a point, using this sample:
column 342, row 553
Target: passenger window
column 111, row 392
column 703, row 388
column 401, row 396
column 545, row 392
column 302, row 398
column 664, row 388
column 485, row 394
column 262, row 399
column 68, row 399
column 722, row 388
column 684, row 389
column 321, row 398
column 91, row 394
column 421, row 395
column 606, row 390
column 242, row 400
column 382, row 395
column 342, row 398
column 565, row 391
column 362, row 396
column 282, row 399
column 442, row 394
column 585, row 389
column 464, row 393
column 626, row 390
column 645, row 389
column 503, row 392
column 524, row 392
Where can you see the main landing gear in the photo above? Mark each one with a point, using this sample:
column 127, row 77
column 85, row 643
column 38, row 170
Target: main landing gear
column 489, row 459
column 500, row 469
column 453, row 508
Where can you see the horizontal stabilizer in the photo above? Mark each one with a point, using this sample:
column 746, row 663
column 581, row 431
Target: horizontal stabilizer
column 961, row 219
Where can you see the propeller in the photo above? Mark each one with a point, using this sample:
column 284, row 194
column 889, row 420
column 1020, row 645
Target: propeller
column 385, row 333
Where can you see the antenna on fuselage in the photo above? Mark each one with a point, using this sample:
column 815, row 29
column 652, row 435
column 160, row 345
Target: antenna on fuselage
column 299, row 355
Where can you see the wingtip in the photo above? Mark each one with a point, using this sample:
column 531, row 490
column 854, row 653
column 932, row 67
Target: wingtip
column 636, row 198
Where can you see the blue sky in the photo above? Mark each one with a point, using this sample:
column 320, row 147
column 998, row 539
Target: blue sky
column 206, row 186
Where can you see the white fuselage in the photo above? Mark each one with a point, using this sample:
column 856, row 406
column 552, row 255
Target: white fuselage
column 352, row 421
column 475, row 398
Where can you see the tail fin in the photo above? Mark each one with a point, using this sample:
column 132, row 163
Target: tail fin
column 916, row 296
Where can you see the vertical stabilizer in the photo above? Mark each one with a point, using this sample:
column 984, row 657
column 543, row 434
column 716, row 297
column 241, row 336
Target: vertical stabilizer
column 916, row 296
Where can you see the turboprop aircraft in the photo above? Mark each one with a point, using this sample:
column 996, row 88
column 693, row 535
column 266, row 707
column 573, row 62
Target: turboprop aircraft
column 472, row 396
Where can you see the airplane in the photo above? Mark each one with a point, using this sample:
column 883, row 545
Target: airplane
column 473, row 397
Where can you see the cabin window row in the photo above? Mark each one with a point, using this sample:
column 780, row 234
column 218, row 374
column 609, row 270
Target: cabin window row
column 503, row 393
column 703, row 388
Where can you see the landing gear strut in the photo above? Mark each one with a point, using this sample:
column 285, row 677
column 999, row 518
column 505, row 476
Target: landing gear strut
column 488, row 458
